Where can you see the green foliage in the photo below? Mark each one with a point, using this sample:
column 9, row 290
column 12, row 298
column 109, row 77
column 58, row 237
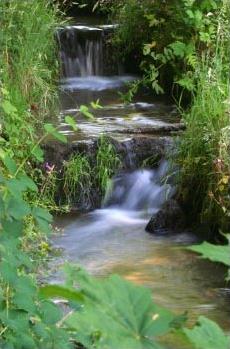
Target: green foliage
column 28, row 69
column 215, row 253
column 207, row 334
column 113, row 313
column 28, row 51
column 168, row 38
column 50, row 129
column 107, row 162
column 26, row 321
column 203, row 149
column 82, row 174
column 77, row 179
column 85, row 111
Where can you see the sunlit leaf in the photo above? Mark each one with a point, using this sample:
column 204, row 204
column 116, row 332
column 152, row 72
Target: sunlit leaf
column 71, row 122
column 85, row 111
column 8, row 107
column 54, row 291
column 50, row 129
column 215, row 253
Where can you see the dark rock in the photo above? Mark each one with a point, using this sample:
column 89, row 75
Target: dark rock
column 169, row 218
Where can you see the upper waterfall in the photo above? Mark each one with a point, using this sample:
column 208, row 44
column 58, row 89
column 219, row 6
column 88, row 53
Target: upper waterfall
column 83, row 50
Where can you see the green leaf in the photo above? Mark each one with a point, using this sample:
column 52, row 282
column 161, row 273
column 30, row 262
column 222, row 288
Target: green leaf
column 53, row 291
column 42, row 213
column 179, row 48
column 8, row 272
column 25, row 294
column 8, row 108
column 85, row 111
column 15, row 320
column 10, row 164
column 50, row 129
column 12, row 228
column 38, row 153
column 207, row 335
column 27, row 183
column 118, row 314
column 43, row 218
column 215, row 253
column 18, row 185
column 96, row 105
column 51, row 314
column 71, row 122
column 18, row 209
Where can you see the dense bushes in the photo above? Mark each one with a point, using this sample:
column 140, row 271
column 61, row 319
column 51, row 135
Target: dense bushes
column 28, row 67
column 204, row 148
column 165, row 36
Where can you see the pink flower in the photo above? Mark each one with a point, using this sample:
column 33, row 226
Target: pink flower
column 49, row 168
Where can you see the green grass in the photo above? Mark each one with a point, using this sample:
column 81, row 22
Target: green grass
column 28, row 71
column 83, row 175
column 204, row 148
column 77, row 178
column 28, row 52
column 108, row 162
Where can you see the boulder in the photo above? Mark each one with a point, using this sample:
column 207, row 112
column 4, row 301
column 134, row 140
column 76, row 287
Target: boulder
column 170, row 218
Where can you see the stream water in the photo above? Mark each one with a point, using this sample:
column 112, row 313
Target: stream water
column 113, row 238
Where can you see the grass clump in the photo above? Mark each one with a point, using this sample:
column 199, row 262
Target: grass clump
column 108, row 162
column 86, row 178
column 28, row 52
column 77, row 178
column 205, row 146
column 28, row 70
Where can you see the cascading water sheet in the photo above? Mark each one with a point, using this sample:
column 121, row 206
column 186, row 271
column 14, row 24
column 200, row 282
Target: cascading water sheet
column 81, row 51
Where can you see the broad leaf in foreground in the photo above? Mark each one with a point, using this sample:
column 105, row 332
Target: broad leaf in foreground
column 207, row 335
column 117, row 314
column 215, row 253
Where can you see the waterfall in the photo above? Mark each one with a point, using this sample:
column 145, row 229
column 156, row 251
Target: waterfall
column 139, row 190
column 83, row 50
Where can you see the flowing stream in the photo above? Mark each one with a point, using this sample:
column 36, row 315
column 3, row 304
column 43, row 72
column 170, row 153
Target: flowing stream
column 113, row 239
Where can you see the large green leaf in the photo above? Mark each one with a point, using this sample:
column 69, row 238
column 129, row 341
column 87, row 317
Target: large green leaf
column 117, row 314
column 18, row 209
column 215, row 253
column 207, row 335
column 43, row 218
column 10, row 164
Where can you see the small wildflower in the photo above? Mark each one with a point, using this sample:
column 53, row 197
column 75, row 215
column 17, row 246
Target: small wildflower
column 49, row 168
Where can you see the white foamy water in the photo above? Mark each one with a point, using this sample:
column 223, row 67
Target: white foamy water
column 95, row 83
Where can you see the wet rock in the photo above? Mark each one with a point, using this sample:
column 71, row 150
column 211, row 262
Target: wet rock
column 136, row 151
column 157, row 129
column 170, row 218
column 133, row 151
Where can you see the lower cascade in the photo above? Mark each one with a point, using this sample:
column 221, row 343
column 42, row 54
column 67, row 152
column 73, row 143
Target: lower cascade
column 113, row 240
column 140, row 190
